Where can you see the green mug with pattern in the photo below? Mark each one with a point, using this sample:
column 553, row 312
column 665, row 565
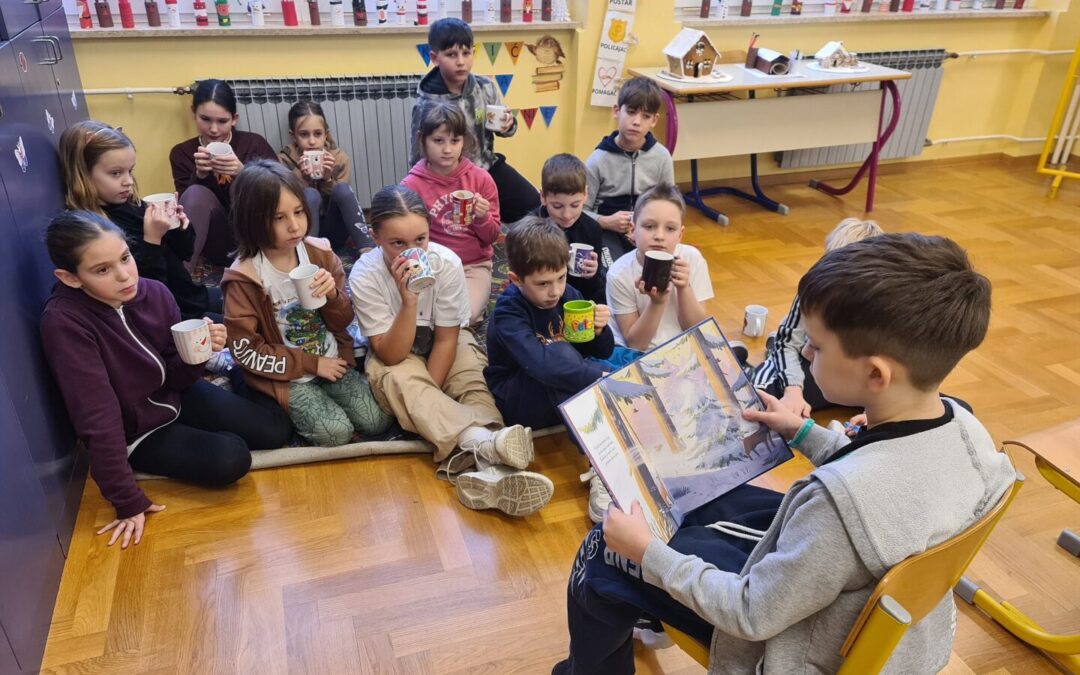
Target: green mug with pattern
column 578, row 321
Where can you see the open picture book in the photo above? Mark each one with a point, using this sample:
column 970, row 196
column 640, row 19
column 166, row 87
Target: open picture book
column 668, row 432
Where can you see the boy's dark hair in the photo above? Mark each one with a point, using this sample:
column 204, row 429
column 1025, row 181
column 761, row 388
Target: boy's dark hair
column 536, row 244
column 664, row 192
column 449, row 32
column 563, row 174
column 433, row 114
column 70, row 232
column 914, row 298
column 640, row 93
column 255, row 196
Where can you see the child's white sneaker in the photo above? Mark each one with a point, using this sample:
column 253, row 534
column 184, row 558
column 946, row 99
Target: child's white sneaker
column 650, row 639
column 511, row 446
column 515, row 493
column 599, row 499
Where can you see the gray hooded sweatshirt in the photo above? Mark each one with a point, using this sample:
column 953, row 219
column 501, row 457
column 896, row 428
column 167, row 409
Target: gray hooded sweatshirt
column 836, row 533
column 475, row 96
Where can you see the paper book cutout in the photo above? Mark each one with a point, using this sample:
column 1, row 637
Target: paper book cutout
column 547, row 112
column 667, row 431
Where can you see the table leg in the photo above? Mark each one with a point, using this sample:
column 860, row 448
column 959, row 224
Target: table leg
column 1070, row 541
column 888, row 88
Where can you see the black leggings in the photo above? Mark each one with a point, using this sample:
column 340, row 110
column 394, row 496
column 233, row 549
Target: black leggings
column 517, row 196
column 338, row 216
column 210, row 443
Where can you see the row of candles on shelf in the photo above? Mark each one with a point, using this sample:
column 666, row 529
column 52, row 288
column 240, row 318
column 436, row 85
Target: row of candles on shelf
column 290, row 18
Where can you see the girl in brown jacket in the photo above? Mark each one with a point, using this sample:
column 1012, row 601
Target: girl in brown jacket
column 324, row 169
column 302, row 357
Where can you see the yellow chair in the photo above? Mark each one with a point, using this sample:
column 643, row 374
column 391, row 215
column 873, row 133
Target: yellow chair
column 904, row 596
column 1057, row 460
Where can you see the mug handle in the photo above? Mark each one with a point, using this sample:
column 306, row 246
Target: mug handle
column 435, row 262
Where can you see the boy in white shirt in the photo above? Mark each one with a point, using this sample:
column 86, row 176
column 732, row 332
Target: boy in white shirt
column 644, row 317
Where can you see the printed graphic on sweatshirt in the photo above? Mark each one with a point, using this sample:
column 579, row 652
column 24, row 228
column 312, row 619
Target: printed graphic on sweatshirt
column 303, row 328
column 254, row 361
column 554, row 333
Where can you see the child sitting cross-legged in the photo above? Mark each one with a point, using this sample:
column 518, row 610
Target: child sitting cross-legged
column 886, row 320
column 427, row 369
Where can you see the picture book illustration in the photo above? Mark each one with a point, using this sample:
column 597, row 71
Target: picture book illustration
column 668, row 432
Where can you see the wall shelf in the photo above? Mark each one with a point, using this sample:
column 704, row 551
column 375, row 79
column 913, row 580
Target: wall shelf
column 859, row 17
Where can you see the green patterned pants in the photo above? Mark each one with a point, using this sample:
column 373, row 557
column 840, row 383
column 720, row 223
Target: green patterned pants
column 327, row 412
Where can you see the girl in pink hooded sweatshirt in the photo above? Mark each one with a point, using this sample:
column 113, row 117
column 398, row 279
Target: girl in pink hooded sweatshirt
column 441, row 172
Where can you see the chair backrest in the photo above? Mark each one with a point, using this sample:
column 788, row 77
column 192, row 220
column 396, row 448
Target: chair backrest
column 920, row 582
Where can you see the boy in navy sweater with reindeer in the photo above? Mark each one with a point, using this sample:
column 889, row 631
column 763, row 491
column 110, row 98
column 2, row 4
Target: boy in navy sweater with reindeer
column 531, row 367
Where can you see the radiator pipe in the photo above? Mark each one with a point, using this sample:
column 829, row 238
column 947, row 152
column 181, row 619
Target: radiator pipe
column 131, row 91
column 1010, row 52
column 988, row 137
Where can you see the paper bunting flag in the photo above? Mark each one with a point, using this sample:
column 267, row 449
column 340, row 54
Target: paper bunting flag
column 425, row 53
column 504, row 82
column 492, row 49
column 529, row 114
column 515, row 50
column 547, row 112
column 514, row 112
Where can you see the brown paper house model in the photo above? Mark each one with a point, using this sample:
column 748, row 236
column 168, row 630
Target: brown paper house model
column 833, row 55
column 691, row 54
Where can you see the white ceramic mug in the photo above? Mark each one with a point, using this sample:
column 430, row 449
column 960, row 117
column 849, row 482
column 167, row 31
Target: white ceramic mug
column 167, row 201
column 192, row 338
column 219, row 149
column 496, row 117
column 754, row 320
column 314, row 159
column 579, row 253
column 423, row 266
column 302, row 276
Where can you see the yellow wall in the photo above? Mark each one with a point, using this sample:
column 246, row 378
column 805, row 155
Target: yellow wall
column 987, row 95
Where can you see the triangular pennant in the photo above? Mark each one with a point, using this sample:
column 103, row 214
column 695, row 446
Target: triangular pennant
column 504, row 82
column 425, row 53
column 529, row 114
column 492, row 49
column 515, row 50
column 514, row 112
column 548, row 112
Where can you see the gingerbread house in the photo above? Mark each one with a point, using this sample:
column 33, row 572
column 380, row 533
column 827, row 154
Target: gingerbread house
column 833, row 55
column 691, row 54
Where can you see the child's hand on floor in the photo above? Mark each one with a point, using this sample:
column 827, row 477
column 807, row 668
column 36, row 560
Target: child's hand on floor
column 590, row 267
column 217, row 335
column 323, row 284
column 129, row 527
column 331, row 370
column 155, row 224
column 601, row 317
column 616, row 222
column 680, row 274
column 655, row 296
column 480, row 207
column 776, row 416
column 793, row 400
column 627, row 535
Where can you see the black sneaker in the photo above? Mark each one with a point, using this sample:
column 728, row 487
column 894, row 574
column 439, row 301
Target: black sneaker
column 770, row 341
column 740, row 351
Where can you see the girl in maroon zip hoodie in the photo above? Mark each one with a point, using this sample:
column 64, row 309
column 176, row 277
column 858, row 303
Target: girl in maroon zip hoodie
column 134, row 404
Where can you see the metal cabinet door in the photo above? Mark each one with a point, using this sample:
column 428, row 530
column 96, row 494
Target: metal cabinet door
column 65, row 70
column 16, row 16
column 30, row 172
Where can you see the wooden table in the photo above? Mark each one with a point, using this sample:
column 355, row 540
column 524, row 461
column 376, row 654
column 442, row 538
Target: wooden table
column 720, row 123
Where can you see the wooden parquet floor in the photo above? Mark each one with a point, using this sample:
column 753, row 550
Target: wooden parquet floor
column 371, row 566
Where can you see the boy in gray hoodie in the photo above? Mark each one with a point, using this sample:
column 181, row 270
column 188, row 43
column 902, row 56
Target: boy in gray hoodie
column 626, row 163
column 452, row 79
column 886, row 320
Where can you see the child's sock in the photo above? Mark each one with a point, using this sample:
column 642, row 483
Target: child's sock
column 511, row 445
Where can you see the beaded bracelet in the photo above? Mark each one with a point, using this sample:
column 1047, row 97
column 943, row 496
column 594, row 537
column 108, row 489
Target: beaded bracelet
column 803, row 431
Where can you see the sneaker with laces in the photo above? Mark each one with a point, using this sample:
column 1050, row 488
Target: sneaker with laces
column 511, row 446
column 740, row 351
column 515, row 493
column 599, row 499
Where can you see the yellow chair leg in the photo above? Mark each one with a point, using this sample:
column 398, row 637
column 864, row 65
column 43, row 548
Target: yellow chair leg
column 694, row 649
column 883, row 630
column 1062, row 648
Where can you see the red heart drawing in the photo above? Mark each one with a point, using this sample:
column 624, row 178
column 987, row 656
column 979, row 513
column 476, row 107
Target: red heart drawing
column 606, row 75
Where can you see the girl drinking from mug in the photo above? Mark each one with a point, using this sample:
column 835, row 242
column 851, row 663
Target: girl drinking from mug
column 289, row 336
column 98, row 164
column 203, row 167
column 132, row 401
column 317, row 161
column 461, row 198
column 409, row 296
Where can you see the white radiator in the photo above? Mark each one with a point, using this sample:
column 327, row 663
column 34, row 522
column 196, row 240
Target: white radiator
column 369, row 117
column 917, row 98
